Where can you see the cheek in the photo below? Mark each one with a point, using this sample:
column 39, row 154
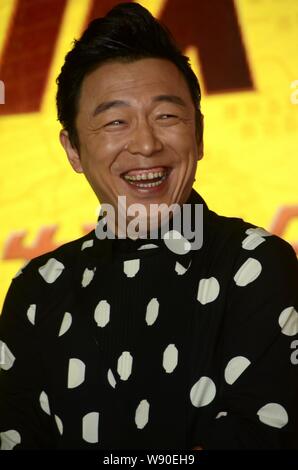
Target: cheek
column 101, row 153
column 182, row 141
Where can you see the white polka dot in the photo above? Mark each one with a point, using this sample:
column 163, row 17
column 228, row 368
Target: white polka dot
column 51, row 270
column 90, row 427
column 44, row 403
column 273, row 414
column 221, row 414
column 31, row 312
column 202, row 392
column 124, row 365
column 87, row 244
column 258, row 231
column 102, row 313
column 142, row 414
column 149, row 246
column 59, row 424
column 176, row 243
column 248, row 272
column 76, row 373
column 288, row 321
column 252, row 241
column 6, row 357
column 9, row 439
column 66, row 323
column 235, row 367
column 208, row 290
column 180, row 270
column 88, row 275
column 170, row 358
column 111, row 379
column 152, row 311
column 131, row 267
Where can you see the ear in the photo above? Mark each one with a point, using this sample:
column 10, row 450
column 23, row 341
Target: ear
column 201, row 139
column 201, row 149
column 71, row 152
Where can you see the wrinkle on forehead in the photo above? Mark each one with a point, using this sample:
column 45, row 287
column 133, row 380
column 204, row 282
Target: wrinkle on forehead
column 135, row 83
column 133, row 80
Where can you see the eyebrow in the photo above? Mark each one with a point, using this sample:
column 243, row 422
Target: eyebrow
column 118, row 103
column 107, row 105
column 170, row 99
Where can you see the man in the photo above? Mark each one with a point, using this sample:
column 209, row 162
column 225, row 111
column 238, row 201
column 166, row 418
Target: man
column 114, row 342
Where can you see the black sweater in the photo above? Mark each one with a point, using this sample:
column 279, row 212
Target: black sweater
column 104, row 345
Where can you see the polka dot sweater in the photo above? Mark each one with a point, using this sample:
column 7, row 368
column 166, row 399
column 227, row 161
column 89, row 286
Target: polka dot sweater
column 122, row 344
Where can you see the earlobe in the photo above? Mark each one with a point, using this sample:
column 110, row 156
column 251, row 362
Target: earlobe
column 71, row 152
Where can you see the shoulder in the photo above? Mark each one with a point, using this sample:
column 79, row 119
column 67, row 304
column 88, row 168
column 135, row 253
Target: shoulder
column 260, row 273
column 248, row 239
column 48, row 274
column 249, row 260
column 263, row 276
column 67, row 254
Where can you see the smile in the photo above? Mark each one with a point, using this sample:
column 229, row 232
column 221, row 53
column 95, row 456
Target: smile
column 146, row 178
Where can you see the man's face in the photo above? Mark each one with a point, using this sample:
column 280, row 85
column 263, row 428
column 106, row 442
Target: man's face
column 137, row 133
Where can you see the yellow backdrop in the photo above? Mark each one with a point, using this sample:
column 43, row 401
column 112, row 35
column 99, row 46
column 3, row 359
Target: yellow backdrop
column 251, row 144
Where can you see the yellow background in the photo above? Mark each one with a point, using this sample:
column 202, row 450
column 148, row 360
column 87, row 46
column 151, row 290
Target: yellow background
column 251, row 141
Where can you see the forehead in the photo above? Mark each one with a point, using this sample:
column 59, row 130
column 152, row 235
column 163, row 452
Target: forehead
column 139, row 80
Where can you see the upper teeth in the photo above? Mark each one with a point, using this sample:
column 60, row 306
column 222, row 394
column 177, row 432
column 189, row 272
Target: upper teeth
column 145, row 176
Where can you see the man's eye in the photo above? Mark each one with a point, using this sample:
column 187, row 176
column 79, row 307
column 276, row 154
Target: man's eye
column 167, row 116
column 115, row 123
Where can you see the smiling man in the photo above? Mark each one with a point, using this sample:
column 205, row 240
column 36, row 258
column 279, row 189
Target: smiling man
column 136, row 125
column 120, row 342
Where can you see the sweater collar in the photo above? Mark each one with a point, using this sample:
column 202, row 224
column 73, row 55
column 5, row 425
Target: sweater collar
column 178, row 240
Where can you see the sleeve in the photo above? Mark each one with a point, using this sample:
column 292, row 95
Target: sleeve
column 257, row 405
column 24, row 421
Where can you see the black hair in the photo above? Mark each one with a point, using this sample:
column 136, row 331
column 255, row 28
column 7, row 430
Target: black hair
column 127, row 33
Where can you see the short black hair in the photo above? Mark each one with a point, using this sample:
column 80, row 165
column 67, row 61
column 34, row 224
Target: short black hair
column 127, row 33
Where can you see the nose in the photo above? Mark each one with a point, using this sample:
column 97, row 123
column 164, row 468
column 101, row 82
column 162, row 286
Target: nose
column 143, row 140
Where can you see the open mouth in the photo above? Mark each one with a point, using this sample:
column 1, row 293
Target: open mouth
column 146, row 178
